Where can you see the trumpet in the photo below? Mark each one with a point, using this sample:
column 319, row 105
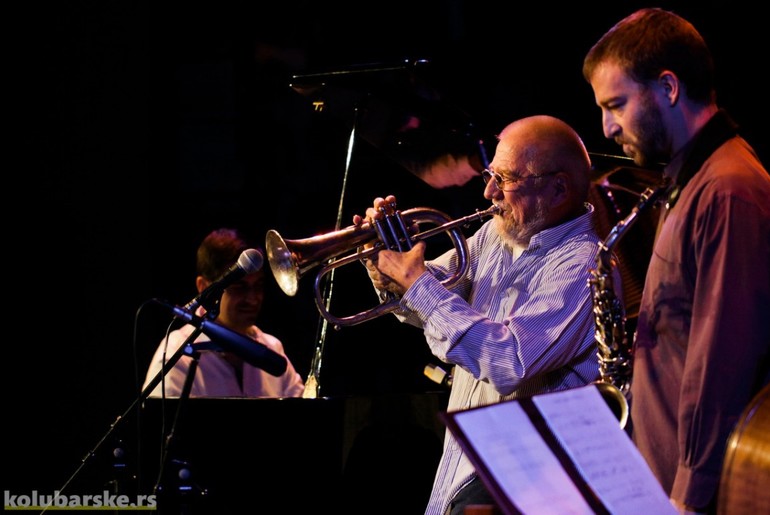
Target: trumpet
column 291, row 259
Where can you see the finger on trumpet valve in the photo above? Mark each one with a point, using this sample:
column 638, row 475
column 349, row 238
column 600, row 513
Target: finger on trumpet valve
column 404, row 230
column 379, row 227
column 393, row 234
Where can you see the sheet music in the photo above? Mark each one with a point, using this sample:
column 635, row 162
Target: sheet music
column 520, row 461
column 605, row 455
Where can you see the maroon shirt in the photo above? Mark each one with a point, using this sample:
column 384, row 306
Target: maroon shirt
column 703, row 334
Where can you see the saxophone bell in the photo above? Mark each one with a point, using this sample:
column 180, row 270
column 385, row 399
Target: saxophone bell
column 616, row 400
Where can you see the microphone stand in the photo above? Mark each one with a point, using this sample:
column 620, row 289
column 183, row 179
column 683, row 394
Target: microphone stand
column 313, row 382
column 186, row 348
column 191, row 348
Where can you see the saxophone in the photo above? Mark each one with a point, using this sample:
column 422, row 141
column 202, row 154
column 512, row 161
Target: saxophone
column 615, row 347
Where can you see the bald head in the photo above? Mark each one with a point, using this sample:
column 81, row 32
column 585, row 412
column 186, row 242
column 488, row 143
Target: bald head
column 543, row 144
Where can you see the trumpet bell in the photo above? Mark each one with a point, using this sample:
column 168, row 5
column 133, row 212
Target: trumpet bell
column 282, row 262
column 292, row 259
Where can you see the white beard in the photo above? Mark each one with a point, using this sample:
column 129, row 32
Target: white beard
column 508, row 238
column 516, row 235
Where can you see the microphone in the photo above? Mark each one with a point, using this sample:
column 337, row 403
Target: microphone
column 251, row 351
column 249, row 261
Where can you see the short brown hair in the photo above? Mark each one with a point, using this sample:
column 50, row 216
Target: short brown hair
column 218, row 251
column 652, row 40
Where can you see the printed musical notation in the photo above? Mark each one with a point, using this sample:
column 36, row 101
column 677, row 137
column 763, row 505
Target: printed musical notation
column 558, row 453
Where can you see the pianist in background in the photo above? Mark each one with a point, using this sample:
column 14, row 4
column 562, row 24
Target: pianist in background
column 220, row 373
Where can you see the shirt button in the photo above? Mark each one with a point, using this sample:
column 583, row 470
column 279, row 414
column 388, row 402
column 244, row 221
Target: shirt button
column 506, row 321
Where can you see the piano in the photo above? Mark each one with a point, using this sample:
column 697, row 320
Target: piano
column 292, row 455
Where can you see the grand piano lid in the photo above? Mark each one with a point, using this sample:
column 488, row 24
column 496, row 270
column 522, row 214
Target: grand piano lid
column 397, row 109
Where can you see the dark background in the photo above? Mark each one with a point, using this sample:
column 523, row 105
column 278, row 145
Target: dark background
column 144, row 126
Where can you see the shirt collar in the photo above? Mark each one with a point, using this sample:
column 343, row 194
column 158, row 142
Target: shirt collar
column 553, row 236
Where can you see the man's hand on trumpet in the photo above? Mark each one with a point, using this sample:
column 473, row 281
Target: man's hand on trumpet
column 391, row 270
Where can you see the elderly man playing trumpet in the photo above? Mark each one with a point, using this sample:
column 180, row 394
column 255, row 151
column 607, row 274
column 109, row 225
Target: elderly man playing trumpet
column 519, row 322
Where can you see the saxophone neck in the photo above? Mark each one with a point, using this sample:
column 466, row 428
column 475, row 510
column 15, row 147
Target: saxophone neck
column 653, row 193
column 646, row 199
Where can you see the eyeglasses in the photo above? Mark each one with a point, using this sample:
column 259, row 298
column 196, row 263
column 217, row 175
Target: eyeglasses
column 487, row 174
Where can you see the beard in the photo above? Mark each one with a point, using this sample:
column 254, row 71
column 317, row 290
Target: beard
column 649, row 147
column 517, row 233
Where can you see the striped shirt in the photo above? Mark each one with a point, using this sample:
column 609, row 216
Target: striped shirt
column 515, row 327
